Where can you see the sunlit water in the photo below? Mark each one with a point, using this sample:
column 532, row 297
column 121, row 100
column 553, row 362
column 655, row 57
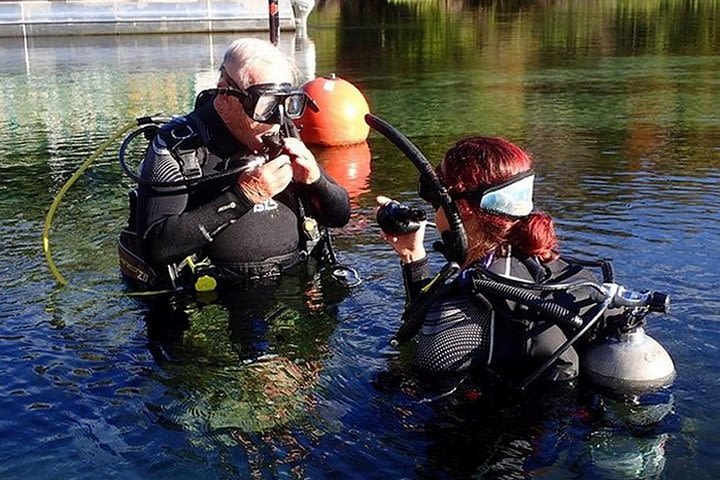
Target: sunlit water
column 618, row 105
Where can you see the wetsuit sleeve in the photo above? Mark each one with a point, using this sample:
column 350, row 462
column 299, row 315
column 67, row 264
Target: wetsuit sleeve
column 171, row 232
column 329, row 202
column 415, row 276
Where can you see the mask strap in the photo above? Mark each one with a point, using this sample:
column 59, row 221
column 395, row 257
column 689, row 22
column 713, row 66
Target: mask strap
column 481, row 192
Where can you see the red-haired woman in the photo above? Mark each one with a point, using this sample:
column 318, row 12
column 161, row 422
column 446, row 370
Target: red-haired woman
column 490, row 181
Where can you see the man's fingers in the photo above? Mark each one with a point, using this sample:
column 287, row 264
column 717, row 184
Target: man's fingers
column 277, row 163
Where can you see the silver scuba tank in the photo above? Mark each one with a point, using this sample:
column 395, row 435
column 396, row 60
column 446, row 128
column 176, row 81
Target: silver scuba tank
column 631, row 363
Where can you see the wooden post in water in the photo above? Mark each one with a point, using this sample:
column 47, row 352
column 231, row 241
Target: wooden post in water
column 274, row 11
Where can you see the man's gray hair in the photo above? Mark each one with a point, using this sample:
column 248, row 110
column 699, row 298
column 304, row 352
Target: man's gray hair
column 247, row 55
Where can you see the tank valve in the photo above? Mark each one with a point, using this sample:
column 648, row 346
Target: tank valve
column 658, row 302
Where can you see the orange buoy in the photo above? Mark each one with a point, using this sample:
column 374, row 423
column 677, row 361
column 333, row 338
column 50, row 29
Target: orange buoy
column 349, row 166
column 340, row 119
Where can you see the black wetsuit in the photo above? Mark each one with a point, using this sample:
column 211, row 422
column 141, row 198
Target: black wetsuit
column 464, row 331
column 214, row 218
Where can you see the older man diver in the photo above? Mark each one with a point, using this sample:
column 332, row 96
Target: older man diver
column 227, row 194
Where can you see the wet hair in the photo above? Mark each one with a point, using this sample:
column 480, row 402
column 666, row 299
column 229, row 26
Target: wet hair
column 477, row 163
column 245, row 56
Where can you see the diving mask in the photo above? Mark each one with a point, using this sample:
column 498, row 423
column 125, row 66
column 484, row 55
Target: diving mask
column 269, row 102
column 513, row 198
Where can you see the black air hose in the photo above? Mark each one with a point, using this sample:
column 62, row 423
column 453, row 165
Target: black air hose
column 608, row 272
column 606, row 266
column 148, row 126
column 415, row 312
column 413, row 318
column 546, row 308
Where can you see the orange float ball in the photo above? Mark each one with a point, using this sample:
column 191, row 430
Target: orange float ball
column 340, row 119
column 348, row 165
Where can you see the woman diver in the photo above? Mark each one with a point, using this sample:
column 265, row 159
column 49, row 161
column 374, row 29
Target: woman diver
column 490, row 183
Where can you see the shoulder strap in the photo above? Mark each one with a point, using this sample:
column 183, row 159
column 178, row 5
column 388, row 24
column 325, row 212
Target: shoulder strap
column 184, row 142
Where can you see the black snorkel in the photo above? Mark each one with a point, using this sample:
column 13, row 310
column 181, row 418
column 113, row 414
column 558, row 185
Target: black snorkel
column 454, row 242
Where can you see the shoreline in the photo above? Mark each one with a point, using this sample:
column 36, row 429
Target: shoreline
column 31, row 18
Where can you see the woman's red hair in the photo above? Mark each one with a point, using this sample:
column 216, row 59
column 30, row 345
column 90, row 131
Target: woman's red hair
column 478, row 163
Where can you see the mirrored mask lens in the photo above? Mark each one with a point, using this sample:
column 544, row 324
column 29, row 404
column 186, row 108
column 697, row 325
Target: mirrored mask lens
column 295, row 105
column 513, row 198
column 265, row 107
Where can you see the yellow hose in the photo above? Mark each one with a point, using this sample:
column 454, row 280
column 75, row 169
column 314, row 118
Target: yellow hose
column 63, row 190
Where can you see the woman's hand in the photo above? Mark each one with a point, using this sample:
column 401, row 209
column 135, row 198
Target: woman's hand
column 408, row 246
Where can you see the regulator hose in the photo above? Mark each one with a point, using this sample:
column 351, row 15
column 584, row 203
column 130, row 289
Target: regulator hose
column 147, row 128
column 600, row 309
column 63, row 190
column 606, row 267
column 54, row 270
column 544, row 307
column 415, row 312
column 527, row 285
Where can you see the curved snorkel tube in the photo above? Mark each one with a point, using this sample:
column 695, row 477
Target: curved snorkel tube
column 454, row 242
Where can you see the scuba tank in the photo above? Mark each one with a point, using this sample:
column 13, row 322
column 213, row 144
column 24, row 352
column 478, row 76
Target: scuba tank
column 631, row 362
column 627, row 360
column 616, row 354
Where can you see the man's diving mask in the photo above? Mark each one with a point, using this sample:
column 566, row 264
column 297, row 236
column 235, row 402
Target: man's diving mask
column 269, row 102
column 513, row 197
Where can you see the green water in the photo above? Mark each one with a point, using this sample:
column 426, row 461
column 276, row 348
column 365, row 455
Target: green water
column 618, row 102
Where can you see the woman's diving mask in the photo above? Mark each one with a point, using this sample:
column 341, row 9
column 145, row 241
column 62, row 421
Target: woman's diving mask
column 513, row 197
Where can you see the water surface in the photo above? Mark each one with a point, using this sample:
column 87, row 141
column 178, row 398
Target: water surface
column 618, row 102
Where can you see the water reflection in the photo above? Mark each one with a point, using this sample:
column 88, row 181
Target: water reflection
column 241, row 373
column 485, row 430
column 350, row 166
column 247, row 362
column 304, row 55
column 628, row 436
column 617, row 101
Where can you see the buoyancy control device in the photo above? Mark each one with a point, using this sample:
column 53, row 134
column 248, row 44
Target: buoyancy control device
column 194, row 272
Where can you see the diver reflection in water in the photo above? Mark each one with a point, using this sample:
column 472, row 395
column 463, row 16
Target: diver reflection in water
column 557, row 433
column 243, row 369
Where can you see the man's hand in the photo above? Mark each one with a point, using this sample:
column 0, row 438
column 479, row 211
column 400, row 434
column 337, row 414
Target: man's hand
column 266, row 181
column 305, row 168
